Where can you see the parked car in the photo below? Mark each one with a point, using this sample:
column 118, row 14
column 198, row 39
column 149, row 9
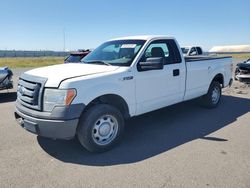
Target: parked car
column 76, row 57
column 6, row 78
column 242, row 72
column 122, row 78
column 192, row 50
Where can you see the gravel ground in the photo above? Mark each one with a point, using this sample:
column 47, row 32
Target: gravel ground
column 183, row 145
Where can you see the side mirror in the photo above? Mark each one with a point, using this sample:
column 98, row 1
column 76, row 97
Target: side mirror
column 153, row 63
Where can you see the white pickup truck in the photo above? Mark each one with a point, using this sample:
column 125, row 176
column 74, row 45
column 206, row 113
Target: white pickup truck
column 191, row 50
column 122, row 78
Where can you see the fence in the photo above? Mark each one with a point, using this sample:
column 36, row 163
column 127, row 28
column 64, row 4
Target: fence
column 14, row 53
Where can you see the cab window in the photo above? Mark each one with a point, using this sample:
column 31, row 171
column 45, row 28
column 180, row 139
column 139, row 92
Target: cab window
column 199, row 50
column 156, row 50
column 163, row 48
column 193, row 51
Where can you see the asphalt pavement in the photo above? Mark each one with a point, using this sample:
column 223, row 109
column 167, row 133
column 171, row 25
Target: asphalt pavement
column 183, row 145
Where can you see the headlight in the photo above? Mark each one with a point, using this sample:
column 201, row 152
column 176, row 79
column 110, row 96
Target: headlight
column 57, row 97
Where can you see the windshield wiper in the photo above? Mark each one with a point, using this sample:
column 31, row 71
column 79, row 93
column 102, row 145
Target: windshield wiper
column 98, row 62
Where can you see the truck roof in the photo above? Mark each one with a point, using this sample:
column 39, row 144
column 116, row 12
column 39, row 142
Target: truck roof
column 143, row 37
column 191, row 46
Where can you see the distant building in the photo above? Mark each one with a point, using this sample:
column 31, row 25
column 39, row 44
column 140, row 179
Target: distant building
column 231, row 49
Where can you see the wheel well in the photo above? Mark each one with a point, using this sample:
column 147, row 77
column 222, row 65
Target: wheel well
column 219, row 78
column 113, row 100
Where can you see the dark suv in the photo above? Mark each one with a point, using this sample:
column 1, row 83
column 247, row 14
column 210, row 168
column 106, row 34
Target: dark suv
column 242, row 72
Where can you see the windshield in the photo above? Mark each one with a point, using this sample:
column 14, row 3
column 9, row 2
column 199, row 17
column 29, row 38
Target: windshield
column 248, row 61
column 184, row 50
column 119, row 52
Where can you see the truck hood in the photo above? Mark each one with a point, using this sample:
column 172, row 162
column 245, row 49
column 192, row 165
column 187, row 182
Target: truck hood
column 55, row 74
column 244, row 66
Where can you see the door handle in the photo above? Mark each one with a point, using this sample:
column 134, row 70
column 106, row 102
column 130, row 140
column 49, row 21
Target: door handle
column 176, row 72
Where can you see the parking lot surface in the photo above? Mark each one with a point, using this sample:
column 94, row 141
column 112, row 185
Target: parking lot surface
column 183, row 145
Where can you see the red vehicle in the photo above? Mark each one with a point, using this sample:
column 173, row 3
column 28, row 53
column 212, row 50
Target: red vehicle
column 6, row 78
column 76, row 57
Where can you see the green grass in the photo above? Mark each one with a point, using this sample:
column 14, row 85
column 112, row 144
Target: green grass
column 21, row 62
column 238, row 56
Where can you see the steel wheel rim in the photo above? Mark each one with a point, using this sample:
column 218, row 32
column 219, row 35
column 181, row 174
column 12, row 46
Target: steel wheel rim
column 105, row 130
column 215, row 95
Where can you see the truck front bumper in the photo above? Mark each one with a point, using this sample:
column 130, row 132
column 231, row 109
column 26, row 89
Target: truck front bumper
column 245, row 78
column 51, row 125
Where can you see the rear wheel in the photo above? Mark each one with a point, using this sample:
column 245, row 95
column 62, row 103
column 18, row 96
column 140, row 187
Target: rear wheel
column 212, row 98
column 100, row 128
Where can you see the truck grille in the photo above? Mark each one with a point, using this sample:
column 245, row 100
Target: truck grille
column 29, row 93
column 244, row 71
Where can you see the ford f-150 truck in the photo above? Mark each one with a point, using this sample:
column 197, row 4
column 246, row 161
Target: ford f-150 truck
column 122, row 78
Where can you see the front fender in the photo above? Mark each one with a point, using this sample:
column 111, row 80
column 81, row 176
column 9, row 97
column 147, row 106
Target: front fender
column 90, row 89
column 109, row 88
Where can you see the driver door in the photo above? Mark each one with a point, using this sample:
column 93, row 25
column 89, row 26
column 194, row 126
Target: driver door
column 159, row 88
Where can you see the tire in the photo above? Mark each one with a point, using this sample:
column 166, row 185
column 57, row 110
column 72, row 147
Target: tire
column 100, row 128
column 213, row 96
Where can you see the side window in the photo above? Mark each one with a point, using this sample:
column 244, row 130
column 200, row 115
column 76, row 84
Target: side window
column 163, row 48
column 193, row 51
column 199, row 50
column 174, row 52
column 157, row 49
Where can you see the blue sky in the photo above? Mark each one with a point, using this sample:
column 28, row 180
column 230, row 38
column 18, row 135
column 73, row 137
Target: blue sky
column 39, row 24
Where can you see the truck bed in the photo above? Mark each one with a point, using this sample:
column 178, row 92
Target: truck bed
column 201, row 70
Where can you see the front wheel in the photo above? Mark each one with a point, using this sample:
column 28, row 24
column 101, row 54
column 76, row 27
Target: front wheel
column 100, row 128
column 212, row 98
